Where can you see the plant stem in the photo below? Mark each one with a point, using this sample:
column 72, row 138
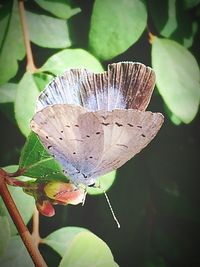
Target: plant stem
column 35, row 233
column 30, row 62
column 17, row 219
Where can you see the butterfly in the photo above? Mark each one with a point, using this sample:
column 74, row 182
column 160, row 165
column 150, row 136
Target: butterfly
column 93, row 123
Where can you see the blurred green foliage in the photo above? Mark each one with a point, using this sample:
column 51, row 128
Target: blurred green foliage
column 156, row 194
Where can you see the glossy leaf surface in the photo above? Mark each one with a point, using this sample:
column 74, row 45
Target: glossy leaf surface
column 115, row 26
column 178, row 77
column 61, row 239
column 24, row 202
column 37, row 162
column 8, row 92
column 16, row 254
column 61, row 8
column 71, row 58
column 47, row 31
column 27, row 93
column 11, row 51
column 88, row 250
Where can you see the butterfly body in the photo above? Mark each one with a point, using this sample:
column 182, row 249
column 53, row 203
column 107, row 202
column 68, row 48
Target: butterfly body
column 93, row 123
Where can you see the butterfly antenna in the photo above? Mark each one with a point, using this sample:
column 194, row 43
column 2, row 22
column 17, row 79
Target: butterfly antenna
column 110, row 207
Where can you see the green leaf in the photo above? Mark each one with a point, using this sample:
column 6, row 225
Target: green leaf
column 4, row 232
column 59, row 8
column 61, row 239
column 115, row 26
column 16, row 254
column 27, row 93
column 42, row 79
column 178, row 77
column 12, row 47
column 171, row 24
column 71, row 58
column 175, row 120
column 164, row 16
column 48, row 32
column 4, row 18
column 88, row 250
column 8, row 92
column 37, row 162
column 105, row 182
column 187, row 26
column 172, row 20
column 24, row 202
column 189, row 38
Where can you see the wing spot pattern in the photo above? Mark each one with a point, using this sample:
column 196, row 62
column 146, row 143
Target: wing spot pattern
column 74, row 153
column 60, row 138
column 90, row 157
column 143, row 135
column 129, row 124
column 85, row 176
column 49, row 147
column 47, row 137
column 76, row 125
column 67, row 126
column 97, row 132
column 62, row 131
column 87, row 136
column 105, row 124
column 139, row 126
column 118, row 124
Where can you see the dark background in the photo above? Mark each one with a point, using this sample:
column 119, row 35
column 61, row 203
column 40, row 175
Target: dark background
column 155, row 195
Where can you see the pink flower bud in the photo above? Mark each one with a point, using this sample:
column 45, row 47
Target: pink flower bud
column 64, row 193
column 45, row 208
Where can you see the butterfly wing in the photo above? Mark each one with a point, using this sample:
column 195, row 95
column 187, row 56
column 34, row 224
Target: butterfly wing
column 126, row 85
column 126, row 133
column 64, row 89
column 134, row 83
column 73, row 136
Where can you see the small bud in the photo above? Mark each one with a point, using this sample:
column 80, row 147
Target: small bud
column 65, row 193
column 45, row 208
